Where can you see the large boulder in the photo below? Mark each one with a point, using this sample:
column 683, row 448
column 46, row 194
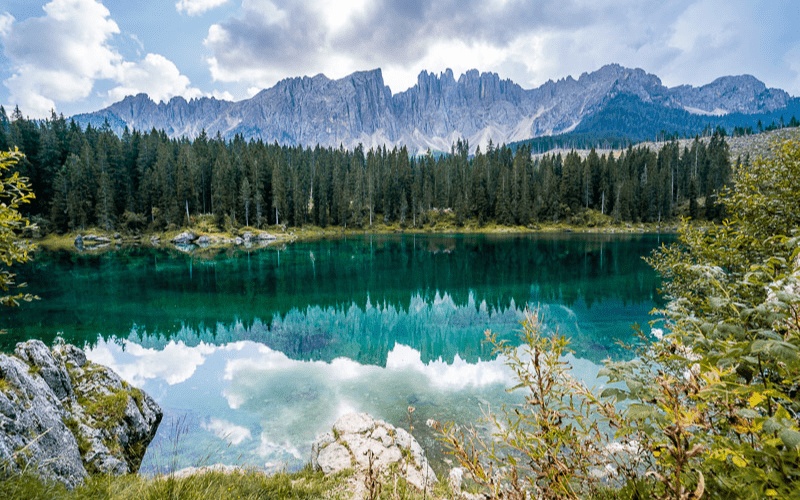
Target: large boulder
column 33, row 429
column 185, row 238
column 357, row 438
column 65, row 417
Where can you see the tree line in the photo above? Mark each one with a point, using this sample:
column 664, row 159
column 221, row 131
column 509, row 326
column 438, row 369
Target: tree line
column 145, row 180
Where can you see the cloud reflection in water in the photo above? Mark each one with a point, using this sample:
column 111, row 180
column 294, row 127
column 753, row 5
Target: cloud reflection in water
column 243, row 390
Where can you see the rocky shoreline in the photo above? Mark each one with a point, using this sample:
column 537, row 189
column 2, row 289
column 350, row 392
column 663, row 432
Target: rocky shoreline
column 190, row 241
column 64, row 417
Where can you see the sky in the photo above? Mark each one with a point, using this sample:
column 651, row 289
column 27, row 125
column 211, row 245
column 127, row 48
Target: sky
column 75, row 56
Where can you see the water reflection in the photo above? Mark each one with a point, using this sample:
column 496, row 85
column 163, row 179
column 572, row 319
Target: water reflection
column 259, row 394
column 439, row 329
column 260, row 407
column 258, row 352
column 159, row 291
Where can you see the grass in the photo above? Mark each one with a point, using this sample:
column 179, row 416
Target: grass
column 83, row 444
column 248, row 485
column 106, row 410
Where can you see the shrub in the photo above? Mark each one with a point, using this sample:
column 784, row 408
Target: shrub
column 712, row 406
column 551, row 446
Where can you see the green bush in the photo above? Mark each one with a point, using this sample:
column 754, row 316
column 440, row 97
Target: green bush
column 712, row 405
column 734, row 318
column 553, row 445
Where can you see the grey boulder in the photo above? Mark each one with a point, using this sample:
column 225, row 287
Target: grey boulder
column 65, row 417
column 358, row 438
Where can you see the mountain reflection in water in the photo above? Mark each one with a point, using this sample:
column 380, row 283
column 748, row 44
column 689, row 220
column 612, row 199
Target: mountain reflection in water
column 252, row 354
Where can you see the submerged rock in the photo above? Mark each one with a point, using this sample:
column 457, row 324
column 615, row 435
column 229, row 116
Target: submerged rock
column 356, row 437
column 266, row 237
column 65, row 417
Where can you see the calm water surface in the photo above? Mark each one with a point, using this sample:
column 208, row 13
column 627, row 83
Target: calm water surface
column 252, row 354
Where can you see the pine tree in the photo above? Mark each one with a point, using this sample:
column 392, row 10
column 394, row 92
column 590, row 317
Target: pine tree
column 479, row 198
column 570, row 189
column 106, row 214
column 219, row 186
column 188, row 176
column 246, row 196
column 694, row 211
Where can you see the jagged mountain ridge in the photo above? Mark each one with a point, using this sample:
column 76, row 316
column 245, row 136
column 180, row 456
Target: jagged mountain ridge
column 432, row 114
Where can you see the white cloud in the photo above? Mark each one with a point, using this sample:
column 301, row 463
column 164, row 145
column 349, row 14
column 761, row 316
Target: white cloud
column 530, row 42
column 458, row 55
column 269, row 448
column 222, row 95
column 245, row 386
column 267, row 11
column 197, row 7
column 457, row 375
column 338, row 15
column 75, row 46
column 60, row 55
column 174, row 364
column 156, row 76
column 227, row 431
column 400, row 361
column 6, row 20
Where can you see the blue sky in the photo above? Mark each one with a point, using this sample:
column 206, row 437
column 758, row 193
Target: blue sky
column 75, row 56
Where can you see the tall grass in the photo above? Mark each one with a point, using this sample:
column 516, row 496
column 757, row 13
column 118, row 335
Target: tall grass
column 246, row 485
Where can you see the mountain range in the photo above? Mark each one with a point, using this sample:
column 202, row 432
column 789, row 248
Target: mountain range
column 438, row 110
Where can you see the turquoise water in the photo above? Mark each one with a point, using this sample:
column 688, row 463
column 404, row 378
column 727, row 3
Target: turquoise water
column 253, row 353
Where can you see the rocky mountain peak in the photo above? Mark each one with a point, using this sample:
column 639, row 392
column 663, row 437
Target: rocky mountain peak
column 433, row 113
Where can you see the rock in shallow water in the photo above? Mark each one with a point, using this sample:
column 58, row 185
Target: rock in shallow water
column 65, row 417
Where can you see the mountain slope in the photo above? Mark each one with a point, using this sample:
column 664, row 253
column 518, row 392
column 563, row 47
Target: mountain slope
column 435, row 112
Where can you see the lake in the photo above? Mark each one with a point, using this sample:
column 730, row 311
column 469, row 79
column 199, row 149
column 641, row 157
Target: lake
column 252, row 353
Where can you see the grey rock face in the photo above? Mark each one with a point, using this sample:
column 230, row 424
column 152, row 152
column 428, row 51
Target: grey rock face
column 184, row 238
column 33, row 432
column 434, row 113
column 55, row 375
column 66, row 417
column 357, row 436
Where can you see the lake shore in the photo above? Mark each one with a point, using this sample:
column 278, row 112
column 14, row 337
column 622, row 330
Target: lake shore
column 95, row 239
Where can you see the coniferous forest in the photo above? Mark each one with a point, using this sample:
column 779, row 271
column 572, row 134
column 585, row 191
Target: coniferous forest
column 148, row 181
